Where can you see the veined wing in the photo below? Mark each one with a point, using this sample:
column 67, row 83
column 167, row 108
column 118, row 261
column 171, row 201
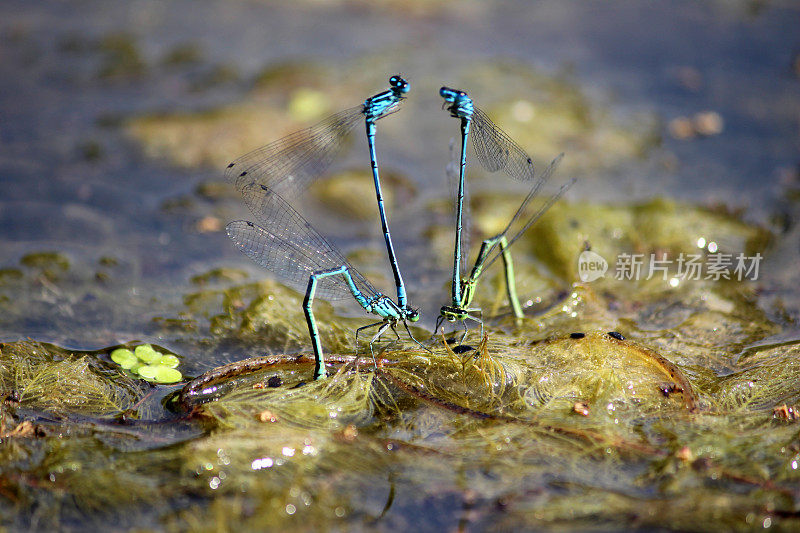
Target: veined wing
column 293, row 250
column 537, row 215
column 497, row 151
column 289, row 165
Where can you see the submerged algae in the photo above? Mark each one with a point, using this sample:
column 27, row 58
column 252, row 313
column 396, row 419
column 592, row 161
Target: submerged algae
column 557, row 115
column 344, row 192
column 43, row 376
column 528, row 458
column 261, row 313
column 555, row 423
column 660, row 226
column 362, row 448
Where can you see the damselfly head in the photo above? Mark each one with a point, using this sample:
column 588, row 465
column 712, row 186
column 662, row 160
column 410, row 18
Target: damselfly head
column 451, row 95
column 412, row 315
column 449, row 313
column 399, row 84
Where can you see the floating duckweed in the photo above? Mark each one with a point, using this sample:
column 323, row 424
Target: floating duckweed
column 148, row 363
column 124, row 358
column 146, row 353
column 160, row 373
column 165, row 374
column 169, row 361
column 148, row 371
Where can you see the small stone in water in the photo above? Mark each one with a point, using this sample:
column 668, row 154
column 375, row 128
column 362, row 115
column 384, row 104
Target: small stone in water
column 581, row 408
column 462, row 348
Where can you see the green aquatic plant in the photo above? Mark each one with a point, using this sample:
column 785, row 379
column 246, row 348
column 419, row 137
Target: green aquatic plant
column 587, row 412
column 42, row 376
column 148, row 363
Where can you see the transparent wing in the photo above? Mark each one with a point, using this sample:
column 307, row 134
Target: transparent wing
column 289, row 165
column 497, row 151
column 292, row 249
column 536, row 216
column 533, row 193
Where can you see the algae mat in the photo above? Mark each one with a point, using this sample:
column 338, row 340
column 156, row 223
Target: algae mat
column 586, row 430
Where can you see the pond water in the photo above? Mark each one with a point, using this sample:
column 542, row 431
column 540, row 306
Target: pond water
column 681, row 123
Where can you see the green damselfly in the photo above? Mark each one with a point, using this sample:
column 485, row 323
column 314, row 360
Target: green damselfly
column 496, row 151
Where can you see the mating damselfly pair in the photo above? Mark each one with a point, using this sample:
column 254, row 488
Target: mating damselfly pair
column 286, row 244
